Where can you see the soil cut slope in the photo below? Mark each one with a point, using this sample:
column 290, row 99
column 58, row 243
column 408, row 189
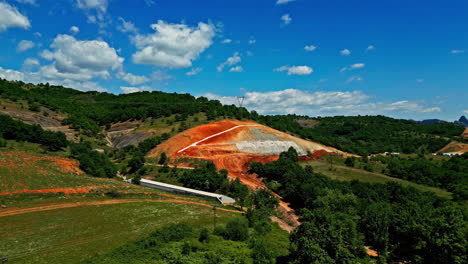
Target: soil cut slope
column 233, row 144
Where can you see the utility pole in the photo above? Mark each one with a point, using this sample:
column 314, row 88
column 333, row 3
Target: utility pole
column 240, row 101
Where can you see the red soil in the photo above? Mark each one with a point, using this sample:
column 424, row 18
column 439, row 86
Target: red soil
column 78, row 204
column 86, row 189
column 223, row 151
column 16, row 159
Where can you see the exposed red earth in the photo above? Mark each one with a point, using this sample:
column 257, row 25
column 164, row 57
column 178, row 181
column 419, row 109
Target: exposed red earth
column 16, row 159
column 233, row 145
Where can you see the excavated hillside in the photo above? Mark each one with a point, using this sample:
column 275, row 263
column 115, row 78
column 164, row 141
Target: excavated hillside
column 123, row 134
column 51, row 122
column 233, row 144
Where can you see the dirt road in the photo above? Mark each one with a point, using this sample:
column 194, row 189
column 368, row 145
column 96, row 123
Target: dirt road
column 8, row 212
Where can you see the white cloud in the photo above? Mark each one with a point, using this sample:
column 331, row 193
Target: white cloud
column 293, row 101
column 74, row 29
column 353, row 67
column 80, row 60
column 370, row 47
column 24, row 45
column 173, row 45
column 30, row 63
column 252, row 41
column 194, row 71
column 235, row 59
column 127, row 26
column 100, row 5
column 457, row 51
column 466, row 111
column 132, row 78
column 286, row 19
column 127, row 89
column 345, row 52
column 354, row 79
column 11, row 17
column 226, row 41
column 280, row 2
column 310, row 47
column 95, row 10
column 236, row 69
column 419, row 80
column 39, row 77
column 357, row 66
column 295, row 70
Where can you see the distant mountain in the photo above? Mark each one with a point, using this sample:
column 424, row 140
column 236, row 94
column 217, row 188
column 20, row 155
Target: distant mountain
column 463, row 121
column 431, row 121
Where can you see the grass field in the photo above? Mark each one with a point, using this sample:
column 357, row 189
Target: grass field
column 340, row 172
column 72, row 235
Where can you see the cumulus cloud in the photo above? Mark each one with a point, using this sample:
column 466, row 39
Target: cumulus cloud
column 226, row 41
column 370, row 47
column 293, row 101
column 40, row 77
column 74, row 29
column 127, row 89
column 80, row 60
column 31, row 63
column 286, row 19
column 132, row 78
column 310, row 48
column 173, row 45
column 236, row 69
column 127, row 26
column 235, row 59
column 281, row 2
column 457, row 51
column 194, row 71
column 345, row 52
column 252, row 41
column 10, row 17
column 295, row 70
column 24, row 45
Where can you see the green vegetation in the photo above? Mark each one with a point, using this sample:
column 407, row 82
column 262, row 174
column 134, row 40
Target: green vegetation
column 336, row 215
column 365, row 135
column 451, row 174
column 88, row 111
column 19, row 131
column 92, row 162
column 341, row 172
column 72, row 235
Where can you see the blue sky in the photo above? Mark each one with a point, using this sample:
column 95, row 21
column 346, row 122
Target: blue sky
column 406, row 59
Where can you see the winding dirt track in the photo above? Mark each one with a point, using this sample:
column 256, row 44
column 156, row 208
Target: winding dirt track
column 108, row 202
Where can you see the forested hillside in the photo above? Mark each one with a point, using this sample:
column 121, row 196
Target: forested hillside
column 366, row 135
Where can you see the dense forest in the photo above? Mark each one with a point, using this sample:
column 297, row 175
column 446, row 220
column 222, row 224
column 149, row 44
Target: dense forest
column 89, row 112
column 339, row 218
column 366, row 135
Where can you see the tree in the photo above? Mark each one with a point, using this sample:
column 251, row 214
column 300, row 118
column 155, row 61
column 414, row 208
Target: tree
column 237, row 229
column 162, row 158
